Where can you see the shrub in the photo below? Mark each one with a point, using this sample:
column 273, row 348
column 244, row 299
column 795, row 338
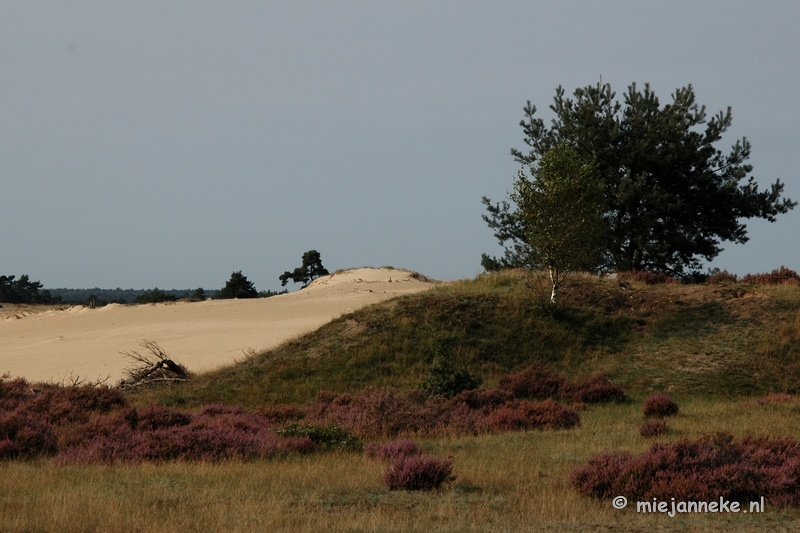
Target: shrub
column 278, row 415
column 536, row 381
column 776, row 277
column 596, row 389
column 23, row 436
column 484, row 399
column 723, row 276
column 705, row 469
column 652, row 428
column 533, row 415
column 158, row 433
column 418, row 473
column 659, row 406
column 330, row 437
column 58, row 404
column 391, row 451
column 444, row 379
column 648, row 278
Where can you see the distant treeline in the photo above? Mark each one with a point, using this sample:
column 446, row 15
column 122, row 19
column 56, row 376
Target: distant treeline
column 127, row 296
column 25, row 291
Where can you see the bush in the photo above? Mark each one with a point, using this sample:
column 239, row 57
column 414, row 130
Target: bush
column 536, row 381
column 776, row 277
column 22, row 436
column 596, row 389
column 705, row 469
column 445, row 380
column 330, row 437
column 58, row 404
column 653, row 428
column 158, row 433
column 418, row 473
column 648, row 278
column 520, row 415
column 484, row 399
column 659, row 406
column 280, row 414
column 723, row 276
column 391, row 451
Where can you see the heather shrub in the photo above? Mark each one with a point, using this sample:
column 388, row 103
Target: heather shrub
column 776, row 277
column 536, row 381
column 705, row 469
column 22, row 436
column 418, row 472
column 59, row 404
column 519, row 415
column 12, row 392
column 596, row 389
column 649, row 278
column 278, row 415
column 370, row 414
column 653, row 428
column 328, row 437
column 158, row 433
column 382, row 413
column 722, row 277
column 391, row 451
column 157, row 416
column 659, row 406
column 484, row 399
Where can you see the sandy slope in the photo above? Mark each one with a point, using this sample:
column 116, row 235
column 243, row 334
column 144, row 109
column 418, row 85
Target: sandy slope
column 53, row 344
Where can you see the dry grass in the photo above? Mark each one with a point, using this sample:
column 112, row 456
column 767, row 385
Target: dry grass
column 712, row 348
column 505, row 482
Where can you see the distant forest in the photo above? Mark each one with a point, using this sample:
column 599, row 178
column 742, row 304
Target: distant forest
column 126, row 296
column 25, row 291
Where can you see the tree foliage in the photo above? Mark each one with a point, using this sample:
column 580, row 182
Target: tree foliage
column 561, row 211
column 670, row 195
column 24, row 291
column 311, row 269
column 238, row 286
column 154, row 296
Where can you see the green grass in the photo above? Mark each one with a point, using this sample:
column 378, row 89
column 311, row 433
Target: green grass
column 711, row 341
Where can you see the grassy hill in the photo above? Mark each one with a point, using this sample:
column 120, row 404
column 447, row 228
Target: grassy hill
column 714, row 341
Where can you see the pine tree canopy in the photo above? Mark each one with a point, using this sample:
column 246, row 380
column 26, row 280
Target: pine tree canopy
column 670, row 196
column 311, row 269
column 238, row 286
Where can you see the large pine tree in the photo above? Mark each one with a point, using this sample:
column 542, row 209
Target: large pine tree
column 670, row 196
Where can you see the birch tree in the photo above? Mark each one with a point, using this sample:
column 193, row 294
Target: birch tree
column 560, row 209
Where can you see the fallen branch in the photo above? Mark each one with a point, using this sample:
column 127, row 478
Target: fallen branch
column 152, row 369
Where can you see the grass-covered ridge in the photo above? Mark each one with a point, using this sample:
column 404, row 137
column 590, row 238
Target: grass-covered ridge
column 723, row 340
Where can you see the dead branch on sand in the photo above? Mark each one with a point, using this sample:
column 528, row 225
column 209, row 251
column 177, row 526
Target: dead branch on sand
column 152, row 369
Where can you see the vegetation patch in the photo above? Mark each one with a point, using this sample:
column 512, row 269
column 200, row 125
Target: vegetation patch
column 703, row 469
column 659, row 406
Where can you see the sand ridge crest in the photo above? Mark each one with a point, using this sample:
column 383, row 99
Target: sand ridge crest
column 45, row 344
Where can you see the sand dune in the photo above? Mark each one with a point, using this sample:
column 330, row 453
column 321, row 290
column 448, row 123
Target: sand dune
column 54, row 344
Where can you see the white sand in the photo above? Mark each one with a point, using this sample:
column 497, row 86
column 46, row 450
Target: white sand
column 78, row 341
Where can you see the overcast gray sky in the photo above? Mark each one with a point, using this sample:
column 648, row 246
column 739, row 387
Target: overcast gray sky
column 168, row 144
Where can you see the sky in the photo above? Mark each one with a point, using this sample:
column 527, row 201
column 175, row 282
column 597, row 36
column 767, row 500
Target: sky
column 169, row 144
